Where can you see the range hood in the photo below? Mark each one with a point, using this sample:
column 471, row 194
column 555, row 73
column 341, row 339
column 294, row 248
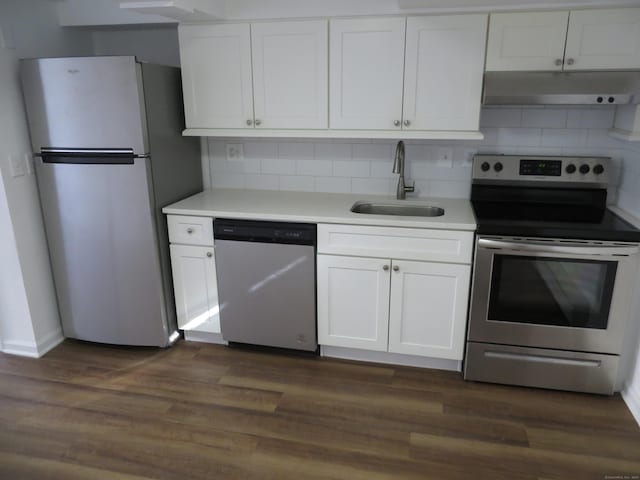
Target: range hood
column 561, row 88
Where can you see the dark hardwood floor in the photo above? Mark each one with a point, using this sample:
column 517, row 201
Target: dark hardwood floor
column 199, row 411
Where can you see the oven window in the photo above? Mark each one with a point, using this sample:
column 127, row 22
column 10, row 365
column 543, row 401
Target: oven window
column 551, row 291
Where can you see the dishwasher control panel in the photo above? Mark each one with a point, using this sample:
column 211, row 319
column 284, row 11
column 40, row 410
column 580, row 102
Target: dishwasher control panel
column 267, row 232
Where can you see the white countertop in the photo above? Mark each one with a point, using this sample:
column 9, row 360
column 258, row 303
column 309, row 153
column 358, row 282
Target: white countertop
column 319, row 208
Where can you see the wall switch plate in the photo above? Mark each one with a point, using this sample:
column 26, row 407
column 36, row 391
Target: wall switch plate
column 6, row 38
column 28, row 161
column 18, row 166
column 444, row 157
column 235, row 152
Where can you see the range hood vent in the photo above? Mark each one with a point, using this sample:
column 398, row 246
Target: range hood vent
column 561, row 88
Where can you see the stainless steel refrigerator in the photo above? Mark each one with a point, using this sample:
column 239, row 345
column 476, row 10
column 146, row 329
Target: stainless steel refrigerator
column 106, row 132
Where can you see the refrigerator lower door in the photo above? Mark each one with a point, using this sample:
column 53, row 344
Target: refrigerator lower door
column 98, row 215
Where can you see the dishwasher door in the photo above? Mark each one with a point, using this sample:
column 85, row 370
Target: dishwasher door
column 267, row 293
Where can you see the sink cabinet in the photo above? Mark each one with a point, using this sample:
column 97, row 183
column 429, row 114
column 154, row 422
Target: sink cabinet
column 395, row 290
column 564, row 40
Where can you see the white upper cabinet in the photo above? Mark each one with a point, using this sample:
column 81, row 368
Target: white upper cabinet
column 444, row 65
column 290, row 64
column 603, row 39
column 575, row 40
column 216, row 75
column 526, row 41
column 366, row 73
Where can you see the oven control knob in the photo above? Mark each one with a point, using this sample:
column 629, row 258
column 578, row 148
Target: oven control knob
column 598, row 169
column 497, row 167
column 485, row 166
column 584, row 168
column 571, row 168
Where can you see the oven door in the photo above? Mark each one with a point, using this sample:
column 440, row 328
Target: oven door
column 546, row 293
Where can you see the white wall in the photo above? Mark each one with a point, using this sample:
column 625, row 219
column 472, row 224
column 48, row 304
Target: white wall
column 157, row 44
column 29, row 322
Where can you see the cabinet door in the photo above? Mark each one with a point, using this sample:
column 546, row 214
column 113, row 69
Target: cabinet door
column 603, row 39
column 195, row 287
column 353, row 302
column 216, row 75
column 428, row 309
column 366, row 73
column 526, row 41
column 444, row 66
column 290, row 68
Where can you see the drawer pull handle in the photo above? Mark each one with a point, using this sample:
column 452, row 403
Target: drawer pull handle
column 542, row 359
column 209, row 254
column 189, row 230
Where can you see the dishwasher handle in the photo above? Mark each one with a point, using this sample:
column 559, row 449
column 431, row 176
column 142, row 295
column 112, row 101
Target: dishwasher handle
column 265, row 232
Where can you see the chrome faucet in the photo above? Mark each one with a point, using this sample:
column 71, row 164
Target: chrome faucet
column 398, row 167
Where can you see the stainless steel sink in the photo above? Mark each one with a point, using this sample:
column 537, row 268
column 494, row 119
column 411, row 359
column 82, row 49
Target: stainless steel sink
column 395, row 209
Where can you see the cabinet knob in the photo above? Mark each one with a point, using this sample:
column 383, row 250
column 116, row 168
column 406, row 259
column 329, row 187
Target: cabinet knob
column 209, row 254
column 558, row 61
column 189, row 230
column 249, row 122
column 396, row 268
column 407, row 123
column 258, row 122
column 385, row 268
column 570, row 61
column 396, row 123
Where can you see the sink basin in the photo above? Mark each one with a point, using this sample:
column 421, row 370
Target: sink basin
column 395, row 209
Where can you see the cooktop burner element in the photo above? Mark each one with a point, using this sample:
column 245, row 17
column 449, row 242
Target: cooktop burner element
column 559, row 197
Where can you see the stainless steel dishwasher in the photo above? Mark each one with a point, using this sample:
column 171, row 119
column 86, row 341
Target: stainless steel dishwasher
column 266, row 283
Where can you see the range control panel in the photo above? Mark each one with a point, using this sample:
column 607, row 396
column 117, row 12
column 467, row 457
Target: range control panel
column 529, row 168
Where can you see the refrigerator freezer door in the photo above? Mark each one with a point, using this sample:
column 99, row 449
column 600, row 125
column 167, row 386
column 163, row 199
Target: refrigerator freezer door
column 85, row 102
column 103, row 247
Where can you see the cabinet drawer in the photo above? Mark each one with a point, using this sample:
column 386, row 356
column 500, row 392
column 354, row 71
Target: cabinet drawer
column 190, row 230
column 450, row 246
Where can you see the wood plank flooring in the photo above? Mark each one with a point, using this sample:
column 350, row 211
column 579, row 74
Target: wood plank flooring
column 200, row 411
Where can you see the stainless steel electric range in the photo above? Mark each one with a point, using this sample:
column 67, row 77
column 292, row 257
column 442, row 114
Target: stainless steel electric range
column 554, row 275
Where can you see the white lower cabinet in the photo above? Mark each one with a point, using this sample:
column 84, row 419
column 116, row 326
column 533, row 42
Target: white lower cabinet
column 399, row 306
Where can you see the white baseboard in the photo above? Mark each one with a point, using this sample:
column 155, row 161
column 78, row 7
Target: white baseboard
column 50, row 341
column 631, row 397
column 33, row 349
column 391, row 358
column 207, row 337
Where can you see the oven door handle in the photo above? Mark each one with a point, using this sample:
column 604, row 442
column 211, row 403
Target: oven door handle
column 543, row 247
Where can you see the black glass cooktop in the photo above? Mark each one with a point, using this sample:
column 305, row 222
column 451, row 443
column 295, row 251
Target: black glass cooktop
column 553, row 213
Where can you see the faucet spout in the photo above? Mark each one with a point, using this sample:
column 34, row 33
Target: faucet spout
column 398, row 167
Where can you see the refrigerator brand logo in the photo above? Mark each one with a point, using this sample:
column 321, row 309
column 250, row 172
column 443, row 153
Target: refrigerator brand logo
column 73, row 70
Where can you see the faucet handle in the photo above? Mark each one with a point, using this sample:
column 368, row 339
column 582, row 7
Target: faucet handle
column 411, row 189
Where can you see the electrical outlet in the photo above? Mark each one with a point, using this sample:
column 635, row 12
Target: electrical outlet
column 235, row 152
column 18, row 167
column 444, row 157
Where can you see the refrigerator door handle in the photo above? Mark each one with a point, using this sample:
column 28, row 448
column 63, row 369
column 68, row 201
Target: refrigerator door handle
column 89, row 156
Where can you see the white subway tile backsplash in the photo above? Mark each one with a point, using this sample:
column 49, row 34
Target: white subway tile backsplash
column 296, row 150
column 351, row 168
column 564, row 138
column 371, row 186
column 544, row 117
column 597, row 117
column 372, row 151
column 297, row 183
column 333, row 184
column 333, row 151
column 314, row 167
column 364, row 166
column 278, row 166
column 262, row 182
column 500, row 117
